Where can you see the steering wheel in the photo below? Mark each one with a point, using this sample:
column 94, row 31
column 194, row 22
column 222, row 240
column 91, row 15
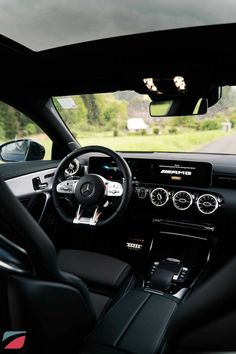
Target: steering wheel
column 92, row 192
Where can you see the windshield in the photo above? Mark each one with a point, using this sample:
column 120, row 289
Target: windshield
column 121, row 121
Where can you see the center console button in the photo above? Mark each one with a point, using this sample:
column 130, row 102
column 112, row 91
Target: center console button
column 142, row 193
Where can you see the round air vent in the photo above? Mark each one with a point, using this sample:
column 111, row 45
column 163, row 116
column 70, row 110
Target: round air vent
column 182, row 200
column 207, row 203
column 159, row 197
column 73, row 168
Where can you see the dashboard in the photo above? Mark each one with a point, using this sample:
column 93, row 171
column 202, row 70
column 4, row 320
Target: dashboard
column 166, row 183
column 180, row 173
column 186, row 188
column 189, row 191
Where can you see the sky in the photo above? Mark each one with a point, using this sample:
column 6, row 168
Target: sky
column 42, row 24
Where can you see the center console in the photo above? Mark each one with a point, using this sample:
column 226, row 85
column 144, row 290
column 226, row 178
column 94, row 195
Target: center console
column 173, row 249
column 175, row 262
column 166, row 272
column 136, row 324
column 175, row 198
column 139, row 321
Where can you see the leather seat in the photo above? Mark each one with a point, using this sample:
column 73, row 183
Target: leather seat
column 55, row 307
column 106, row 277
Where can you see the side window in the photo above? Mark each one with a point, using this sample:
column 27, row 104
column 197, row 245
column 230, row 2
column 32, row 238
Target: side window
column 16, row 126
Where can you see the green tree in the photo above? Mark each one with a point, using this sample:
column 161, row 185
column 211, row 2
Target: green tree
column 8, row 121
column 210, row 124
column 92, row 109
column 116, row 114
column 104, row 110
column 2, row 120
column 73, row 117
column 187, row 122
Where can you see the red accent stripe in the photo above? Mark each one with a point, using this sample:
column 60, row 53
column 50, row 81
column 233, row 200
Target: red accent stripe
column 16, row 343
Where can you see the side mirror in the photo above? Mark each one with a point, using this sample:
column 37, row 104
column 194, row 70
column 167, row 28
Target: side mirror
column 21, row 150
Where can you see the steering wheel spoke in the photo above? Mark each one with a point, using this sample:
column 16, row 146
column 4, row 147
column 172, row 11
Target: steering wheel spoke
column 67, row 186
column 81, row 218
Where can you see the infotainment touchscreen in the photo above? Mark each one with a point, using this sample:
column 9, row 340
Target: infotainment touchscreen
column 181, row 173
column 170, row 172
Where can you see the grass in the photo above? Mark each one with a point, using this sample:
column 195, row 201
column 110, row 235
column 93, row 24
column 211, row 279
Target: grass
column 189, row 141
column 48, row 149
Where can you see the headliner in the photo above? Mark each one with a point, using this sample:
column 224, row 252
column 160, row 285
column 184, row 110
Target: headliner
column 203, row 55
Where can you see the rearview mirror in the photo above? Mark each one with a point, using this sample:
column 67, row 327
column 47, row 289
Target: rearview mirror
column 21, row 150
column 178, row 107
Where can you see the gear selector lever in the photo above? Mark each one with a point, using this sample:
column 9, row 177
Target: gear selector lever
column 165, row 272
column 161, row 279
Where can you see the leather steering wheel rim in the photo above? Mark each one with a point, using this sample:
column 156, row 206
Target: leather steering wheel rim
column 121, row 163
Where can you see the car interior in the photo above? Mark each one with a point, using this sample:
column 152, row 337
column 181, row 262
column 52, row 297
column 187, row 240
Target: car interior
column 118, row 252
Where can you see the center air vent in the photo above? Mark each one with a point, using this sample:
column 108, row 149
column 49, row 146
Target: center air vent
column 182, row 200
column 159, row 197
column 207, row 203
column 73, row 168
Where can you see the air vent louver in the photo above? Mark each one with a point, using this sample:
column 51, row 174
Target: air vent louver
column 159, row 197
column 182, row 200
column 207, row 204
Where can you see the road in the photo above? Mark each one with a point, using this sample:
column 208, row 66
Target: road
column 226, row 145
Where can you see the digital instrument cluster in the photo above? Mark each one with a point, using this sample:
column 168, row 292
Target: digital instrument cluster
column 161, row 172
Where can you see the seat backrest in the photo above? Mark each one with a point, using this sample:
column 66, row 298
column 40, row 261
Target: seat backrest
column 46, row 302
column 54, row 315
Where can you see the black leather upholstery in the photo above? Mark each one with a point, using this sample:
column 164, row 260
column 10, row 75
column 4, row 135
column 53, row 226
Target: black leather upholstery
column 105, row 276
column 37, row 301
column 136, row 324
column 44, row 258
column 94, row 268
column 101, row 349
column 100, row 303
column 30, row 234
column 55, row 315
column 206, row 321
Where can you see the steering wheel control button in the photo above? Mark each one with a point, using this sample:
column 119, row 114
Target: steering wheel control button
column 67, row 187
column 114, row 189
column 90, row 190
